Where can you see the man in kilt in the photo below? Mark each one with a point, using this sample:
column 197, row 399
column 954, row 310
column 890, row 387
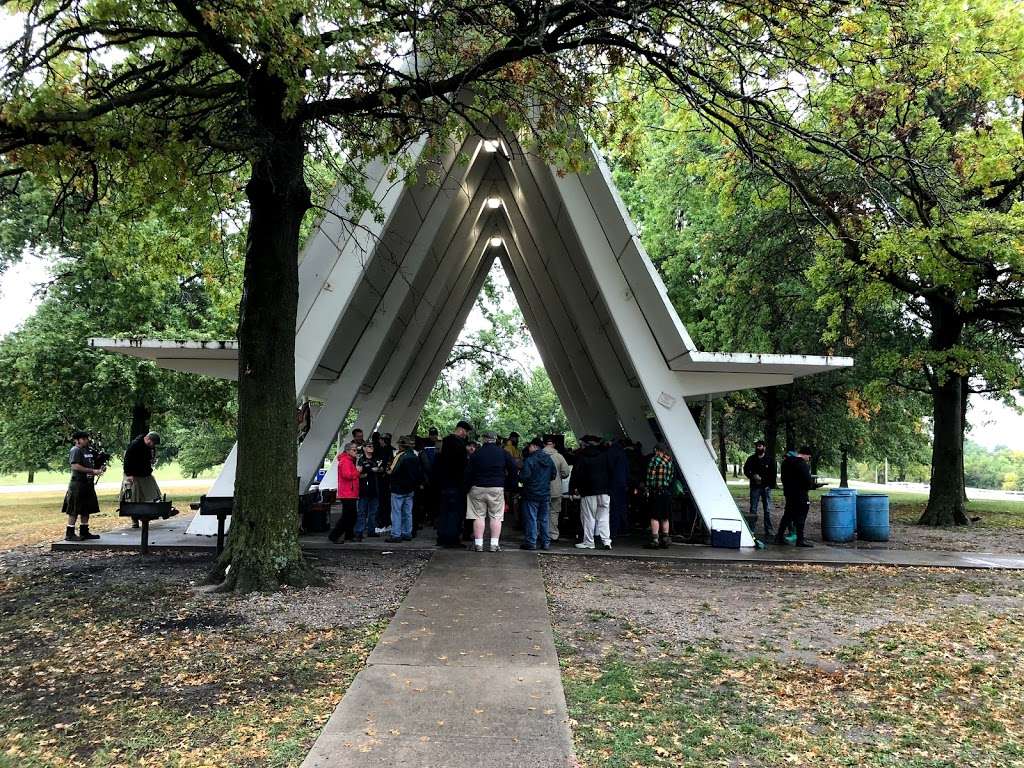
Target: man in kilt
column 80, row 501
column 139, row 483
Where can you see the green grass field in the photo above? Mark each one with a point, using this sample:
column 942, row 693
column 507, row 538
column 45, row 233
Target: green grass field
column 34, row 518
column 907, row 507
column 169, row 471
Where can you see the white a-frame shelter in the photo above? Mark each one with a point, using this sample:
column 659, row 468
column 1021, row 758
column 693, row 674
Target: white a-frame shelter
column 382, row 302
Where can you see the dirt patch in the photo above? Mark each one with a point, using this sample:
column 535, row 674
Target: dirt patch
column 116, row 651
column 783, row 612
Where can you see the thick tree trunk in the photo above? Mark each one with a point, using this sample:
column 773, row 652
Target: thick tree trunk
column 140, row 418
column 263, row 550
column 771, row 421
column 31, row 476
column 844, row 469
column 945, row 497
column 965, row 393
column 946, row 504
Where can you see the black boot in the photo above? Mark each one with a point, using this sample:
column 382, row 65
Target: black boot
column 84, row 535
column 664, row 541
column 70, row 535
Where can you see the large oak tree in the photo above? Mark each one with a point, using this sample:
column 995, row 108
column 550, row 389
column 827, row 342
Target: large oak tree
column 181, row 90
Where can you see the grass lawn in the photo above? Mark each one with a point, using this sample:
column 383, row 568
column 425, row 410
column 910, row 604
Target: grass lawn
column 169, row 471
column 908, row 507
column 33, row 518
column 120, row 660
column 791, row 666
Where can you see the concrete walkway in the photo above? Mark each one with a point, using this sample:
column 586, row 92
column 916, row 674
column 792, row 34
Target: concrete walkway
column 169, row 536
column 465, row 675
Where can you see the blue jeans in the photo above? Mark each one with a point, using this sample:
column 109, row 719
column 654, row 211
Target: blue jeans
column 535, row 521
column 762, row 495
column 366, row 516
column 401, row 515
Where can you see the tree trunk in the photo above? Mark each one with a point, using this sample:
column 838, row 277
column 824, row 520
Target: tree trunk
column 771, row 421
column 31, row 476
column 263, row 550
column 844, row 469
column 140, row 418
column 946, row 504
column 945, row 497
column 965, row 392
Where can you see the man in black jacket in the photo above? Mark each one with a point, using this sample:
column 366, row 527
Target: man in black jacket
column 406, row 475
column 449, row 475
column 591, row 478
column 796, row 484
column 759, row 469
column 139, row 483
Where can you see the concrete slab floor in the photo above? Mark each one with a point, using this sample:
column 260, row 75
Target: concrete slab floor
column 465, row 675
column 169, row 535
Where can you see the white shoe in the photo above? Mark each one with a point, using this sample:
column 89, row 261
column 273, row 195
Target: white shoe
column 582, row 545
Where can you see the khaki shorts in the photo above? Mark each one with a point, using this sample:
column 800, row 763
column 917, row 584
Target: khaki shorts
column 486, row 504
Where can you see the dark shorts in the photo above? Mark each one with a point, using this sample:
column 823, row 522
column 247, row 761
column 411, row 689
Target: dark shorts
column 81, row 498
column 661, row 506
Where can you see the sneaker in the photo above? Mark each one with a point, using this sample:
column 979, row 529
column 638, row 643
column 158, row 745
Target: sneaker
column 406, row 538
column 475, row 547
column 606, row 546
column 583, row 545
column 528, row 547
column 394, row 539
column 652, row 544
column 545, row 546
column 664, row 542
column 804, row 544
column 494, row 548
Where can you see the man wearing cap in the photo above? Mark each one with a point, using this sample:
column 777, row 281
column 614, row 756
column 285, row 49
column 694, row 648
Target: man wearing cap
column 406, row 474
column 536, row 477
column 80, row 501
column 450, row 475
column 555, row 499
column 490, row 467
column 139, row 483
column 796, row 483
column 759, row 469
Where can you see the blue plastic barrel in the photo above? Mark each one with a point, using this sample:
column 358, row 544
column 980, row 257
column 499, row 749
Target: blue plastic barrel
column 873, row 517
column 843, row 491
column 838, row 517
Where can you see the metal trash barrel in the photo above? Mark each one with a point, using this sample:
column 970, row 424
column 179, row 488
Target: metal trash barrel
column 873, row 517
column 839, row 516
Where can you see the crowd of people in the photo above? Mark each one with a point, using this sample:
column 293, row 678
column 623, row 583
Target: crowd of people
column 467, row 488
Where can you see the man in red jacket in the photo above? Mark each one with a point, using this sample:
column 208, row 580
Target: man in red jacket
column 348, row 493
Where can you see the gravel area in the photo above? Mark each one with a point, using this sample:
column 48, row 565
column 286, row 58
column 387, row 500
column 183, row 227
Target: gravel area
column 360, row 588
column 786, row 612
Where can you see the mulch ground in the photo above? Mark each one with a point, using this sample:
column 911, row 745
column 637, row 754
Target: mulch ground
column 790, row 665
column 118, row 660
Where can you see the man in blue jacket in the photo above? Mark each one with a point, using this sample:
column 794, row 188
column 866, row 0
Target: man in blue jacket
column 488, row 470
column 535, row 477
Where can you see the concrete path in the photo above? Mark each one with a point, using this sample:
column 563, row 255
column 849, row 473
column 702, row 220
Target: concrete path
column 169, row 535
column 465, row 675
